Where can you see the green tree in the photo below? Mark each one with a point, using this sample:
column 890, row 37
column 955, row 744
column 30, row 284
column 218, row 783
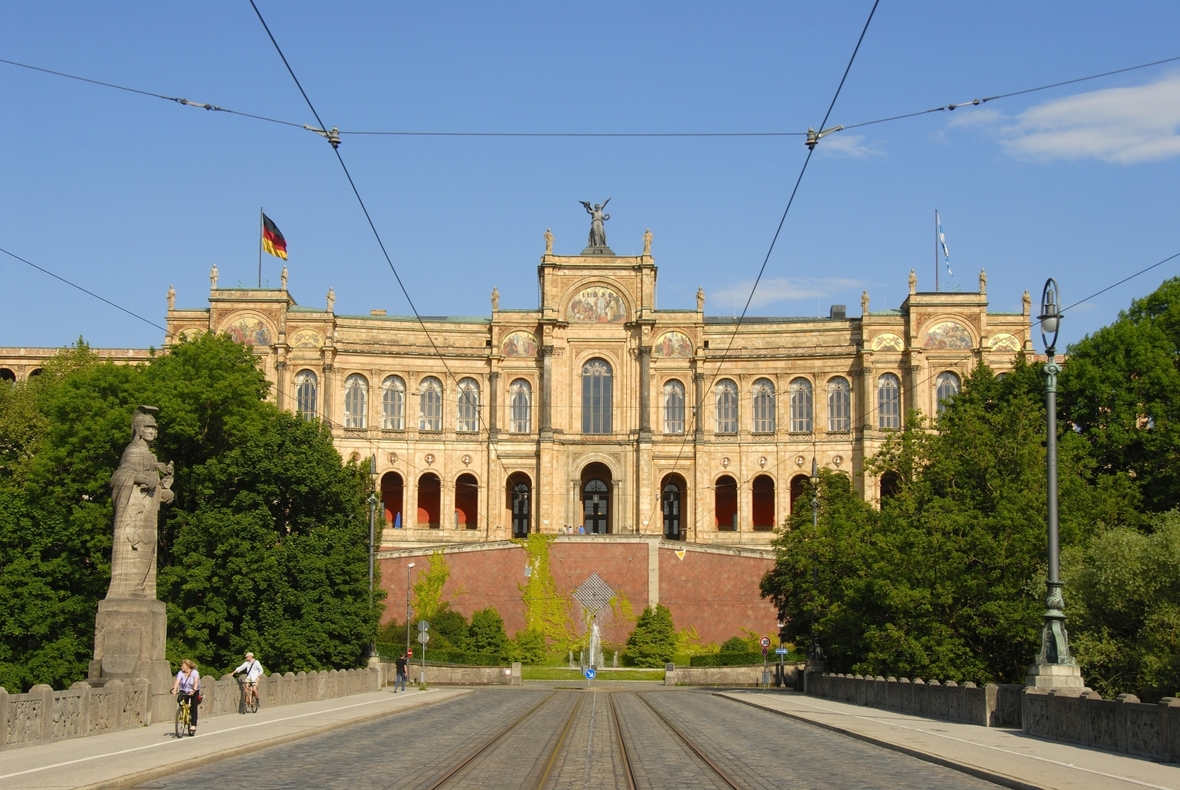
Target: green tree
column 1124, row 609
column 653, row 642
column 263, row 548
column 1119, row 388
column 529, row 647
column 486, row 633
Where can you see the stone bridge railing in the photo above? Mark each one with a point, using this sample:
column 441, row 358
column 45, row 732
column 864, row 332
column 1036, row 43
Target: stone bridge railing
column 44, row 715
column 989, row 706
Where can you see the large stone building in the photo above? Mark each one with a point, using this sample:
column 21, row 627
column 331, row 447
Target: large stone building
column 656, row 428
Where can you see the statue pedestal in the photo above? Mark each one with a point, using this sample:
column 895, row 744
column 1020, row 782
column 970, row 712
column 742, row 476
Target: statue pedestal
column 599, row 251
column 1055, row 676
column 129, row 640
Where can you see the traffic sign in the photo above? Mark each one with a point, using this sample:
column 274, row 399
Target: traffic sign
column 590, row 673
column 423, row 638
column 782, row 651
column 423, row 625
column 765, row 641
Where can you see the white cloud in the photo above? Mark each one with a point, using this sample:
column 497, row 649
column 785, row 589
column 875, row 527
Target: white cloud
column 1118, row 125
column 848, row 145
column 973, row 116
column 778, row 289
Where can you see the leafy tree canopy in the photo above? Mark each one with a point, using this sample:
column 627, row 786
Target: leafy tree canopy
column 653, row 642
column 264, row 548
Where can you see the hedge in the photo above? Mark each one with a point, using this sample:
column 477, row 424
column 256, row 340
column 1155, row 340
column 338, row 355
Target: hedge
column 389, row 651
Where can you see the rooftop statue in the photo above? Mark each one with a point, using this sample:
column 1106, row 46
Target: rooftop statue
column 138, row 487
column 597, row 218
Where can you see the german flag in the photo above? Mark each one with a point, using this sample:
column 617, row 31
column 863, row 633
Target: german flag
column 272, row 239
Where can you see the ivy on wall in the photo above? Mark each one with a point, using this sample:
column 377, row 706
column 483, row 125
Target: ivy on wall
column 546, row 610
column 428, row 587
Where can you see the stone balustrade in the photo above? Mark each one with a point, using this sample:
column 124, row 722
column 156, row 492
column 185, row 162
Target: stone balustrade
column 1122, row 724
column 455, row 675
column 43, row 715
column 989, row 706
column 679, row 675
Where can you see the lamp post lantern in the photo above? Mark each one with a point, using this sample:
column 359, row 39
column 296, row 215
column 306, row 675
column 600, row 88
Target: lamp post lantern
column 1054, row 667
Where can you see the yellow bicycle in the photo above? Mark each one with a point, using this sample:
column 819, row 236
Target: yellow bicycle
column 184, row 703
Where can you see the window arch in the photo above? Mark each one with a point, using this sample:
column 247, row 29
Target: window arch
column 727, row 407
column 430, row 405
column 946, row 388
column 673, row 407
column 520, row 401
column 467, row 414
column 306, row 389
column 888, row 402
column 597, row 377
column 356, row 400
column 764, row 406
column 393, row 404
column 801, row 403
column 839, row 405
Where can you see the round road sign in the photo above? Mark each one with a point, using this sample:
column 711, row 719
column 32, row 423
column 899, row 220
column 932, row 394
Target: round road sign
column 765, row 641
column 590, row 673
column 423, row 637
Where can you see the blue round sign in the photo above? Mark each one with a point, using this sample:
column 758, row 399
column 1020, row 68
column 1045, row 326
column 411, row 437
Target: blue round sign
column 590, row 673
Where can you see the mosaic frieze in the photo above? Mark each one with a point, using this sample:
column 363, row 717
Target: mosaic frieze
column 1004, row 342
column 948, row 335
column 249, row 331
column 597, row 305
column 672, row 344
column 520, row 344
column 307, row 338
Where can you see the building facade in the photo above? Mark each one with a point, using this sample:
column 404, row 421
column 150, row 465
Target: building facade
column 597, row 411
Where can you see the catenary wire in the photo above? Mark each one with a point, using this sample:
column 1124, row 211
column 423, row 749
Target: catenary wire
column 83, row 290
column 427, row 133
column 773, row 241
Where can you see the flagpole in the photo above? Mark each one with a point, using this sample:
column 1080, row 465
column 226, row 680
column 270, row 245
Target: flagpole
column 935, row 249
column 260, row 230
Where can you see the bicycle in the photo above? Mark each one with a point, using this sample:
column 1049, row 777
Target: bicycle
column 249, row 696
column 184, row 713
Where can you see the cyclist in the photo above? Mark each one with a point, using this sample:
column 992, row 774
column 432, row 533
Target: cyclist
column 253, row 671
column 188, row 686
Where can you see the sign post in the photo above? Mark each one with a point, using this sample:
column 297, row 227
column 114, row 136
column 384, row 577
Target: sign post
column 765, row 642
column 423, row 638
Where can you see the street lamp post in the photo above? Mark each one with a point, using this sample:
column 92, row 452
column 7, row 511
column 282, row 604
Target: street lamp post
column 372, row 536
column 814, row 653
column 1055, row 667
column 411, row 565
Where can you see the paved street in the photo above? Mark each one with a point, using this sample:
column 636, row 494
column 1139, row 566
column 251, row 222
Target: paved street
column 571, row 739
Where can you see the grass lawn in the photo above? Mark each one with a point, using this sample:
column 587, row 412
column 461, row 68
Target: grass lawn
column 561, row 673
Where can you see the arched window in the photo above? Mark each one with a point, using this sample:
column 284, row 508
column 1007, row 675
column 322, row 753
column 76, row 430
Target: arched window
column 762, row 504
column 764, row 406
column 520, row 399
column 306, row 387
column 888, row 402
column 356, row 399
column 839, row 405
column 596, row 397
column 7, row 375
column 673, row 407
column 800, row 391
column 430, row 409
column 467, row 416
column 393, row 404
column 727, row 407
column 946, row 387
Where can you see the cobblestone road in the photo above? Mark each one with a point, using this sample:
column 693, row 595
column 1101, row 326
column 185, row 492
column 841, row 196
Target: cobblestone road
column 415, row 749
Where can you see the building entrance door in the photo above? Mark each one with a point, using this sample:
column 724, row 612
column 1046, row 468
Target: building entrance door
column 520, row 510
column 596, row 507
column 671, row 503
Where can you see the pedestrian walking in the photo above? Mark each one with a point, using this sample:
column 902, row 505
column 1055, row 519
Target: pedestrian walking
column 402, row 671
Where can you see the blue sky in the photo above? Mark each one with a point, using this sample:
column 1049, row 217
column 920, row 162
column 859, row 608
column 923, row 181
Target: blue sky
column 125, row 194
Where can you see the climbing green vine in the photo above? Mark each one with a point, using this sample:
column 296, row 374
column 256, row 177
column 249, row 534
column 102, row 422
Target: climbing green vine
column 546, row 610
column 428, row 586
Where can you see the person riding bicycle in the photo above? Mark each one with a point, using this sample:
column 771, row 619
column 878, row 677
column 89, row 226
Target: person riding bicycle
column 188, row 688
column 253, row 671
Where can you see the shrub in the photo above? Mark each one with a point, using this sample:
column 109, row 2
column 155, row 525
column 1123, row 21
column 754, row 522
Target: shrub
column 486, row 633
column 736, row 644
column 529, row 647
column 653, row 642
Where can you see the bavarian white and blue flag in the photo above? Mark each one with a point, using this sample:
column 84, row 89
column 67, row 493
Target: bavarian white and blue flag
column 946, row 254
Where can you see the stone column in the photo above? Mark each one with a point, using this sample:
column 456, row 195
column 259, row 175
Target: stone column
column 699, row 382
column 645, row 393
column 546, row 393
column 493, row 401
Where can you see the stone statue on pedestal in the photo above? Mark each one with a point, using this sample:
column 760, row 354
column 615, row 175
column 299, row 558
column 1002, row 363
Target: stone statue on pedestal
column 131, row 627
column 597, row 218
column 548, row 241
column 171, row 298
column 700, row 299
column 213, row 274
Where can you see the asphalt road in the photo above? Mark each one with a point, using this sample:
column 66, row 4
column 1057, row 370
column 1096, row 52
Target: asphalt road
column 571, row 739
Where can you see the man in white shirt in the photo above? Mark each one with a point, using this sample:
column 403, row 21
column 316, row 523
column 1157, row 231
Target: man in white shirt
column 253, row 671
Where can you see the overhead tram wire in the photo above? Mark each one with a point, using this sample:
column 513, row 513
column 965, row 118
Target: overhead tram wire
column 637, row 135
column 812, row 139
column 83, row 290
